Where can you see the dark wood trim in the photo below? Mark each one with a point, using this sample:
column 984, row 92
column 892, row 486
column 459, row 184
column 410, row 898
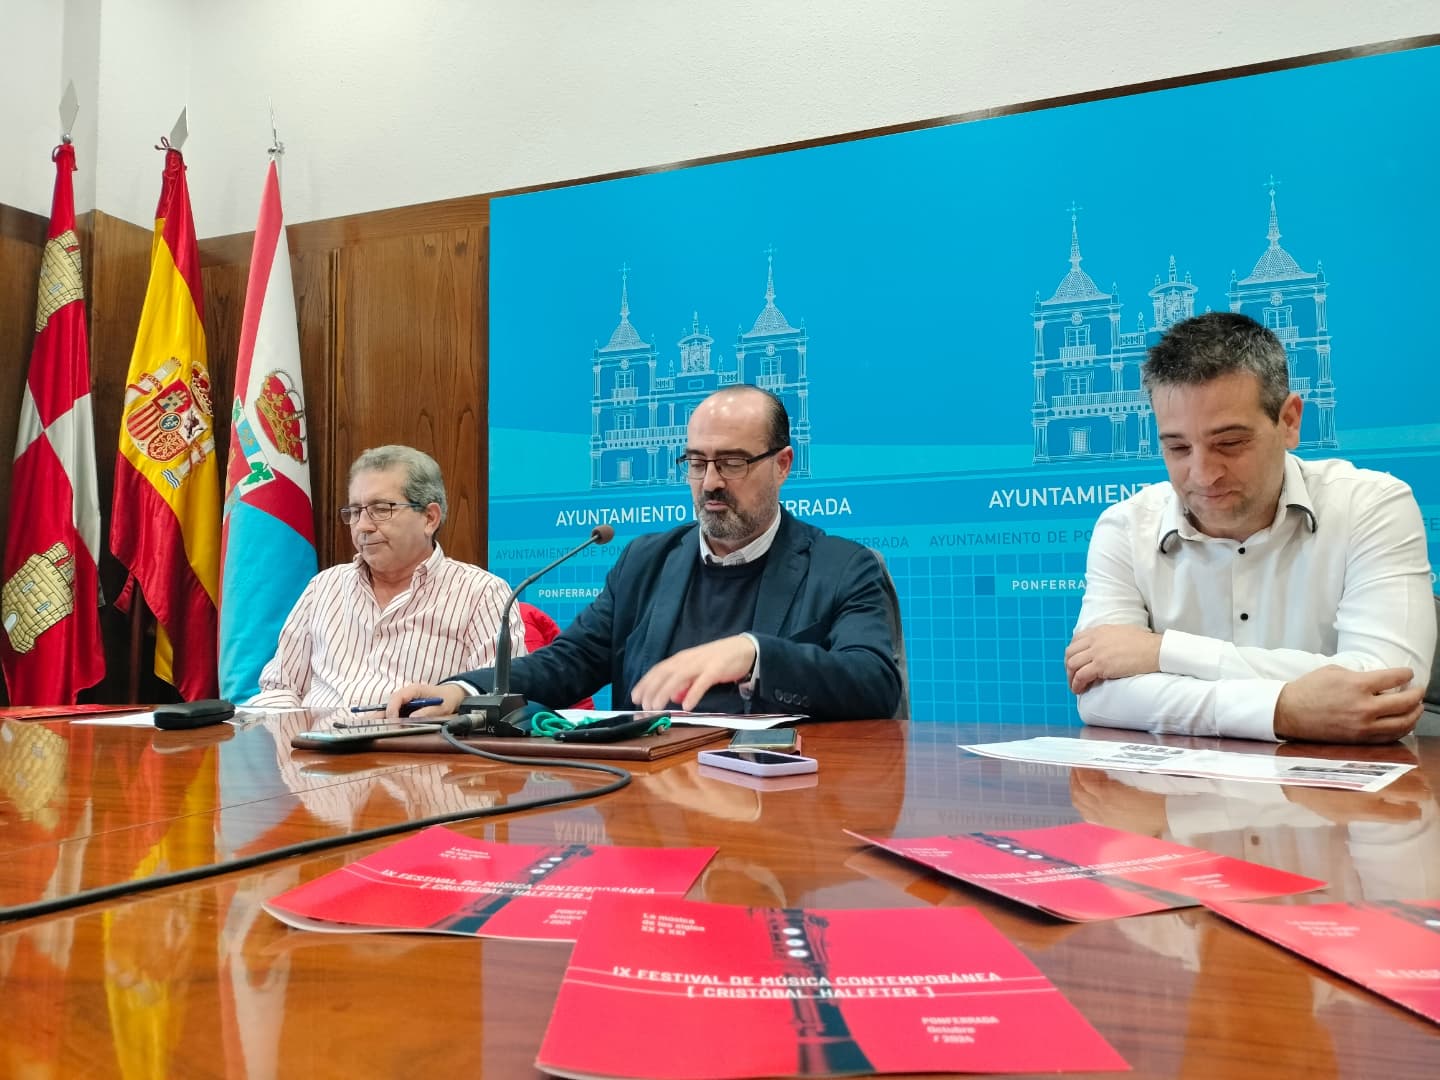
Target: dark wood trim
column 22, row 225
column 330, row 489
column 333, row 234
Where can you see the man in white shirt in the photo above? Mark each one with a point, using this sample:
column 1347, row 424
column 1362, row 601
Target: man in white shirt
column 1257, row 595
column 399, row 609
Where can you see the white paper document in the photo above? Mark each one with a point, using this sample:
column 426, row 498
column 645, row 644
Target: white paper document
column 243, row 714
column 733, row 721
column 134, row 719
column 1180, row 761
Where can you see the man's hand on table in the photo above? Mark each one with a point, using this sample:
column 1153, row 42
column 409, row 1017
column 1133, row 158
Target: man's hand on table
column 451, row 693
column 1110, row 652
column 685, row 677
column 1335, row 705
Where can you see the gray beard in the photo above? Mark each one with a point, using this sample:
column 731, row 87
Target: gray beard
column 728, row 526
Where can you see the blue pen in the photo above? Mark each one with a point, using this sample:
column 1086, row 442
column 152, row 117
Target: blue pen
column 409, row 707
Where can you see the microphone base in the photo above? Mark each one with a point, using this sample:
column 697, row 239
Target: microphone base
column 485, row 711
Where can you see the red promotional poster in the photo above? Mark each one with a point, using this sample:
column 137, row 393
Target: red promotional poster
column 442, row 882
column 664, row 987
column 1391, row 947
column 1082, row 871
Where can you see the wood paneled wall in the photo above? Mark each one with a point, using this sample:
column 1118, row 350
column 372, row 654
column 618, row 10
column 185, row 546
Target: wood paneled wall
column 393, row 341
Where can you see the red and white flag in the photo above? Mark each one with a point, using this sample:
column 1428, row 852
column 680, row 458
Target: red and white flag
column 267, row 538
column 49, row 601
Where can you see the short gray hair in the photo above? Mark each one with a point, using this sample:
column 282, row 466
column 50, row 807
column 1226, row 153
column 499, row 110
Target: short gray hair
column 423, row 483
column 1220, row 343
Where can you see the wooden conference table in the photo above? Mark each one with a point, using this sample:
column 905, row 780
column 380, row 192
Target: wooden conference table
column 197, row 981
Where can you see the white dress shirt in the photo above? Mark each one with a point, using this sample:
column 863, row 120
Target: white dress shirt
column 338, row 647
column 1341, row 576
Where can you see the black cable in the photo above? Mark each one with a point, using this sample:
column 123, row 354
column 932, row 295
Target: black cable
column 310, row 847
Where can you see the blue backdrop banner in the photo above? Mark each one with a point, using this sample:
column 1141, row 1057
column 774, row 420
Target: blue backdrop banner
column 955, row 318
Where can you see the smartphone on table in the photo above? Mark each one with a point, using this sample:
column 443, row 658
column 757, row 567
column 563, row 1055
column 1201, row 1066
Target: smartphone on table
column 781, row 740
column 762, row 784
column 759, row 762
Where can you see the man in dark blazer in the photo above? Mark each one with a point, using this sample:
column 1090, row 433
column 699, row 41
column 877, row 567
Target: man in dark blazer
column 750, row 611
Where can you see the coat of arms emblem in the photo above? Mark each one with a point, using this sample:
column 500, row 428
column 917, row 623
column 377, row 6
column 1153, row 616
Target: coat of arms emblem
column 37, row 596
column 171, row 419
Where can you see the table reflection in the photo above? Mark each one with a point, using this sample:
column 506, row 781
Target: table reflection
column 1381, row 845
column 199, row 981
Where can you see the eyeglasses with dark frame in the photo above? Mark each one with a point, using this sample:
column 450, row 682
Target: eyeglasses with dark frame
column 729, row 466
column 378, row 511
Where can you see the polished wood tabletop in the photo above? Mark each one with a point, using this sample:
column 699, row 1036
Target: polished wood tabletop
column 198, row 981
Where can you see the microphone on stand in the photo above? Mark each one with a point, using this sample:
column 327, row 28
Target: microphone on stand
column 487, row 709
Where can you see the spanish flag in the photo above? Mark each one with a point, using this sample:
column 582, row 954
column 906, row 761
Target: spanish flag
column 165, row 522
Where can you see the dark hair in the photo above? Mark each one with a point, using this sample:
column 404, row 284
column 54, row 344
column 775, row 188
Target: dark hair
column 1220, row 343
column 779, row 418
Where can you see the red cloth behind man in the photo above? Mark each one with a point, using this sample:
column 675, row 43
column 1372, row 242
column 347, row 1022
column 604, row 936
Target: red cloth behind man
column 540, row 630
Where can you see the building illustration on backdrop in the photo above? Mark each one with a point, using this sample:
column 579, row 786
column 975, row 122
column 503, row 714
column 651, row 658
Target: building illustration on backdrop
column 641, row 402
column 1089, row 403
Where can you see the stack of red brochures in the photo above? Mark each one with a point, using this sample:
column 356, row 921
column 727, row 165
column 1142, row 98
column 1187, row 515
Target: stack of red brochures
column 444, row 882
column 1391, row 947
column 663, row 987
column 806, row 992
column 1083, row 871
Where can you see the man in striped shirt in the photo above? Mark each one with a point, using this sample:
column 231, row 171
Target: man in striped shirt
column 399, row 609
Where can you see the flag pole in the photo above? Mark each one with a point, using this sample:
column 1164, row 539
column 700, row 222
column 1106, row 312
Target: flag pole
column 137, row 635
column 69, row 109
column 276, row 146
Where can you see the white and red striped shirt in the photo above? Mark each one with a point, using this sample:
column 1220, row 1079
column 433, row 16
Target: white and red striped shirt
column 338, row 648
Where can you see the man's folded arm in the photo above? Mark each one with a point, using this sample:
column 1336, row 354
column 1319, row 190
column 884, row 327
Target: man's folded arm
column 1385, row 619
column 1157, row 702
column 1162, row 703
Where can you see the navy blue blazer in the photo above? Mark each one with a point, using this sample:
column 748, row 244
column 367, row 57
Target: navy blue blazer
column 822, row 621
